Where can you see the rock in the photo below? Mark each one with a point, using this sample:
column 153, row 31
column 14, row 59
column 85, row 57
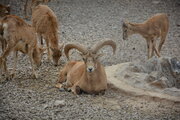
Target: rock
column 175, row 66
column 153, row 76
column 168, row 67
column 135, row 69
column 60, row 103
column 165, row 81
column 172, row 91
column 161, row 83
column 45, row 106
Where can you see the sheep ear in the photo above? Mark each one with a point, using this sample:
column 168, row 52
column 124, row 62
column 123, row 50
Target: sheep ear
column 125, row 23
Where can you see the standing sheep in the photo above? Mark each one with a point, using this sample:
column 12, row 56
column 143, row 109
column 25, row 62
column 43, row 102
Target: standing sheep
column 46, row 25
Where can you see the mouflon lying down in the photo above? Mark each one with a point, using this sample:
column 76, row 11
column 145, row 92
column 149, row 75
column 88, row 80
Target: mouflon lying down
column 88, row 75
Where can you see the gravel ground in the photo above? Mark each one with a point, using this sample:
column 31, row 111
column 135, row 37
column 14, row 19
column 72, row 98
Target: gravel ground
column 87, row 22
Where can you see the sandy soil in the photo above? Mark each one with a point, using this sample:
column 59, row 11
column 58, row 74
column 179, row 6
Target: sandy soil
column 87, row 22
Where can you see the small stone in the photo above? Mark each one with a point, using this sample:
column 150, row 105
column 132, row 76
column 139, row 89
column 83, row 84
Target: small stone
column 60, row 103
column 45, row 106
column 156, row 2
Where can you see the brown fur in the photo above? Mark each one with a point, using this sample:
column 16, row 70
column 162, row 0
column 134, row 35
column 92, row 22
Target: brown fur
column 30, row 4
column 46, row 24
column 88, row 76
column 20, row 36
column 155, row 27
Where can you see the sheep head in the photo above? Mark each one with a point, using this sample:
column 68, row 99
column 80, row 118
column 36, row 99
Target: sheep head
column 90, row 55
column 37, row 55
column 56, row 54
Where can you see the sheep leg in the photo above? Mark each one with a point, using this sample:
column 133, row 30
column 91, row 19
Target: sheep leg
column 4, row 45
column 65, row 86
column 4, row 67
column 62, row 76
column 150, row 49
column 3, row 48
column 155, row 49
column 40, row 39
column 32, row 65
column 163, row 38
column 76, row 89
column 49, row 54
column 1, row 66
column 3, row 63
column 15, row 64
column 3, row 58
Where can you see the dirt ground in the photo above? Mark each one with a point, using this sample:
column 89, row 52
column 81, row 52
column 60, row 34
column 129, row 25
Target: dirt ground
column 87, row 22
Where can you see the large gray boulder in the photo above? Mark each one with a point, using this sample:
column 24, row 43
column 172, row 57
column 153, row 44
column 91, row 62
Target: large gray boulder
column 158, row 75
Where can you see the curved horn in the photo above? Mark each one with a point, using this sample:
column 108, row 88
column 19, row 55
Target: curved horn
column 102, row 44
column 79, row 47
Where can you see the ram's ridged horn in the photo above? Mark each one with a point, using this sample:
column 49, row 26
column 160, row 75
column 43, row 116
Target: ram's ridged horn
column 102, row 44
column 79, row 47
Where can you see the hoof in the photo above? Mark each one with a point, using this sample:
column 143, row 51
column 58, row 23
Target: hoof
column 78, row 90
column 68, row 89
column 58, row 85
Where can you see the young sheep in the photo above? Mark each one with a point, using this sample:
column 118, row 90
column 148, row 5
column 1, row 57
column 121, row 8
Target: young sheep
column 4, row 10
column 46, row 24
column 88, row 76
column 20, row 36
column 152, row 29
column 31, row 4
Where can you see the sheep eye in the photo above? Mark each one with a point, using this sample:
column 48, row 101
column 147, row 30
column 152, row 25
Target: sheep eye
column 84, row 59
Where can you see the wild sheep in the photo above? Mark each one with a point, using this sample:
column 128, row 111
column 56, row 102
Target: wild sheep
column 88, row 76
column 46, row 25
column 30, row 4
column 152, row 29
column 22, row 37
column 4, row 10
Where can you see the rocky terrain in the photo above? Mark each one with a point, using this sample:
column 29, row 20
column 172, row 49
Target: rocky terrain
column 87, row 22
